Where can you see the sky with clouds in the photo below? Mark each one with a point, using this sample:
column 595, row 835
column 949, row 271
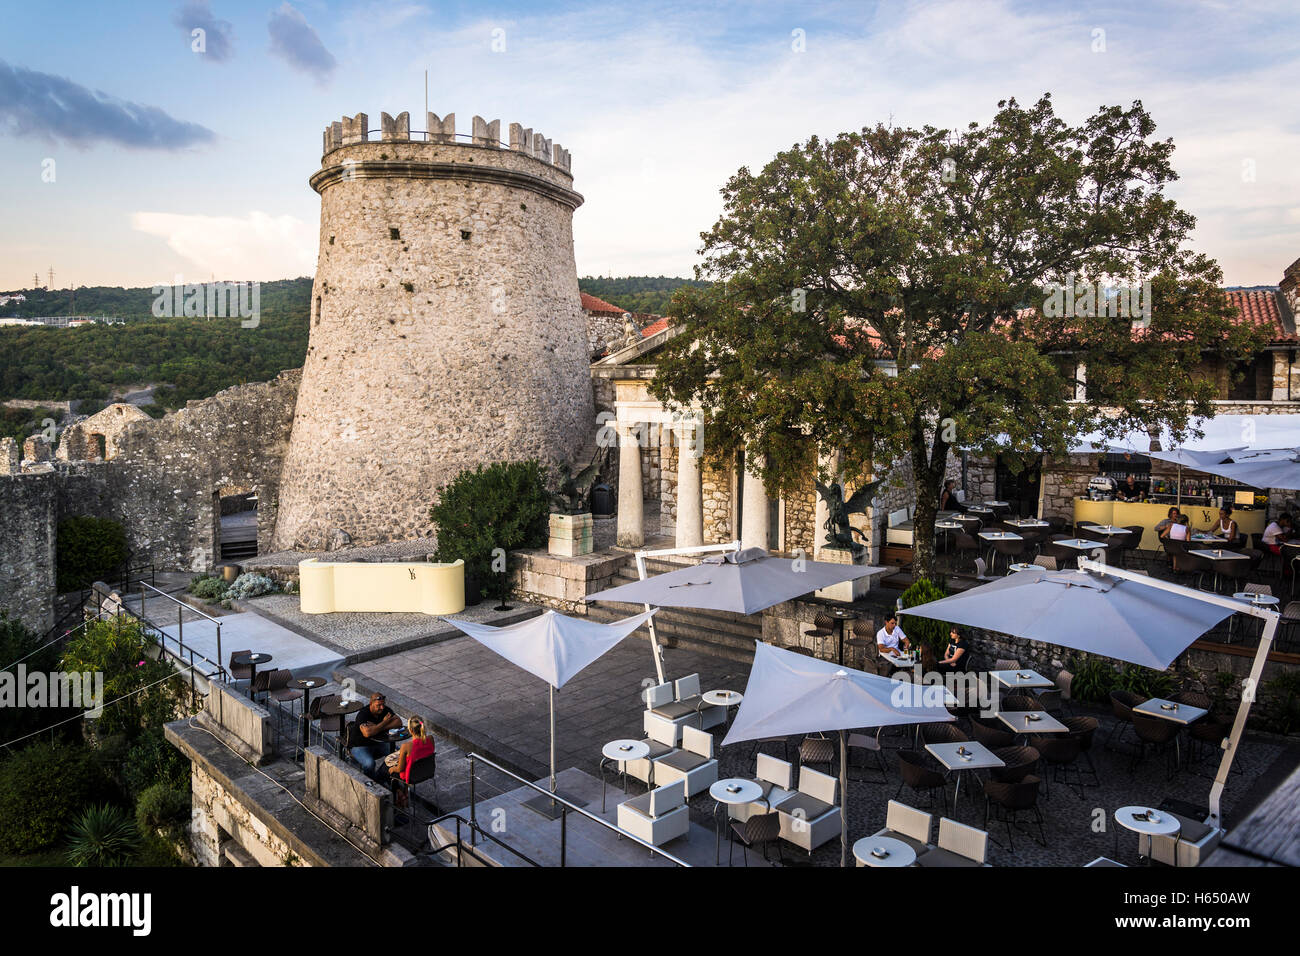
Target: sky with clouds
column 128, row 156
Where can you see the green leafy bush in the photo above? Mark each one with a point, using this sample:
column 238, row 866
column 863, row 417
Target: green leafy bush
column 151, row 760
column 89, row 549
column 42, row 788
column 161, row 805
column 20, row 645
column 249, row 585
column 149, row 688
column 208, row 587
column 1093, row 680
column 155, row 852
column 1285, row 712
column 504, row 505
column 1144, row 681
column 104, row 835
column 922, row 631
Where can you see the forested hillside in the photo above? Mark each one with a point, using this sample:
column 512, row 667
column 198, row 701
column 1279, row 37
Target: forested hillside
column 636, row 293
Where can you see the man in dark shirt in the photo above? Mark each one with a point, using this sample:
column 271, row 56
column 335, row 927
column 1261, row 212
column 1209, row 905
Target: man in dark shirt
column 366, row 731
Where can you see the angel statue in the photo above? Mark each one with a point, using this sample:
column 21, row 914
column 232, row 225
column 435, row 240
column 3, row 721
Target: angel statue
column 839, row 533
column 571, row 496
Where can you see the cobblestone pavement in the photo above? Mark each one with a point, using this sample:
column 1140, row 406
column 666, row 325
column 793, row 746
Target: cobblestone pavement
column 502, row 711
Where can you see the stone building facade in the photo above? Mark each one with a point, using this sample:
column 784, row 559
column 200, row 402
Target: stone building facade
column 446, row 329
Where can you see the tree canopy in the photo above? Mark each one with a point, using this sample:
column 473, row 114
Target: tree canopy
column 887, row 294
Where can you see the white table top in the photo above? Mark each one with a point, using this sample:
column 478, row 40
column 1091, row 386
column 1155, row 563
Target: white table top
column 1021, row 678
column 1178, row 713
column 979, row 509
column 898, row 852
column 1217, row 554
column 723, row 698
column 948, row 525
column 1079, row 544
column 998, row 504
column 1018, row 720
column 1026, row 522
column 1106, row 529
column 1204, row 538
column 1266, row 600
column 1165, row 824
column 977, row 755
column 745, row 791
column 636, row 750
column 1000, row 536
column 899, row 660
column 1012, row 569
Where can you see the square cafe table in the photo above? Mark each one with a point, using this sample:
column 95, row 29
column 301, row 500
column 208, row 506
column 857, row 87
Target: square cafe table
column 1218, row 554
column 959, row 757
column 1013, row 679
column 1018, row 720
column 1170, row 710
column 1027, row 523
column 1109, row 530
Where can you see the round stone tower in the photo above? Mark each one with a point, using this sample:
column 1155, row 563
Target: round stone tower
column 446, row 328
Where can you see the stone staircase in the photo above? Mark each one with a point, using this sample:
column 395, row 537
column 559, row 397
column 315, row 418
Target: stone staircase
column 719, row 633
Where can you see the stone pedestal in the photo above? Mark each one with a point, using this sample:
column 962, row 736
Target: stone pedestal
column 631, row 507
column 571, row 535
column 848, row 590
column 604, row 532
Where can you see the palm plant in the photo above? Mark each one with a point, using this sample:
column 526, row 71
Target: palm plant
column 105, row 835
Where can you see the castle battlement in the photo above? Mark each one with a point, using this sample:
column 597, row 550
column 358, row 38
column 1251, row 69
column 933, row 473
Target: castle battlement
column 356, row 129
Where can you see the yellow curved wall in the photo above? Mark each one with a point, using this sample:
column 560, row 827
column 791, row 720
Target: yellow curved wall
column 358, row 586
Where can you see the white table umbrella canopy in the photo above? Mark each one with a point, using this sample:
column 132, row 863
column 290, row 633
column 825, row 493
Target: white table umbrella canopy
column 1083, row 611
column 743, row 582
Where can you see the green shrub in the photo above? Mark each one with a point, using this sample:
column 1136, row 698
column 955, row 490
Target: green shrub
column 249, row 585
column 161, row 805
column 155, row 852
column 153, row 761
column 20, row 645
column 504, row 505
column 148, row 688
column 42, row 788
column 208, row 587
column 922, row 631
column 88, row 550
column 1144, row 681
column 1285, row 711
column 1093, row 680
column 104, row 835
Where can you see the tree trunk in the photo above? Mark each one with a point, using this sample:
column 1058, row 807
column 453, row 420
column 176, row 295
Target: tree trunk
column 929, row 463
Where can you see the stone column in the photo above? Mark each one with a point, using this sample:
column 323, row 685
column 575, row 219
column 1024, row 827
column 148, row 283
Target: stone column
column 690, row 487
column 631, row 507
column 753, row 526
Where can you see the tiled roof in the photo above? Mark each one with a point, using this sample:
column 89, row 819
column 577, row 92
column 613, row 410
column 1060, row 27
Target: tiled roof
column 658, row 325
column 1260, row 307
column 592, row 304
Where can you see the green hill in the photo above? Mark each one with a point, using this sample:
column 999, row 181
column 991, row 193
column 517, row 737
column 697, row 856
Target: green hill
column 636, row 293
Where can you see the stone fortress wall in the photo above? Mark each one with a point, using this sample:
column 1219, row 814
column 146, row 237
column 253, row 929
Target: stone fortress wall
column 446, row 329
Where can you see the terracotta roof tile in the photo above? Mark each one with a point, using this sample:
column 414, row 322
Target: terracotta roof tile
column 592, row 304
column 658, row 325
column 1259, row 307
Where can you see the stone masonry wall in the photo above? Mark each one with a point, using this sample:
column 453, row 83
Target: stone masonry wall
column 28, row 516
column 446, row 330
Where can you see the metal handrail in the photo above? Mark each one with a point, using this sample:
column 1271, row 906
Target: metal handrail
column 474, row 827
column 564, row 814
column 218, row 668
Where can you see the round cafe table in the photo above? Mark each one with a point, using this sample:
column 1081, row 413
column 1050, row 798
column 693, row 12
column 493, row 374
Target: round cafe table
column 731, row 792
column 620, row 752
column 883, row 851
column 723, row 698
column 1021, row 567
column 1258, row 600
column 342, row 708
column 251, row 661
column 843, row 615
column 1162, row 823
column 307, row 685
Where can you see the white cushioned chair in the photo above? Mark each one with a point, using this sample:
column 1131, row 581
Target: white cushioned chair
column 1192, row 845
column 908, row 824
column 687, row 690
column 810, row 816
column 959, row 845
column 693, row 763
column 660, row 702
column 657, row 816
column 661, row 735
column 776, row 777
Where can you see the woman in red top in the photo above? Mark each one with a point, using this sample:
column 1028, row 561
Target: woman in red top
column 417, row 748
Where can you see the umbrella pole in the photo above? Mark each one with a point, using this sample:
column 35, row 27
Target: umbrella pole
column 1249, row 688
column 551, row 687
column 844, row 802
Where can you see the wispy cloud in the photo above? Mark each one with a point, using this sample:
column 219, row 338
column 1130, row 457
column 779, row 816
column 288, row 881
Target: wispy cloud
column 256, row 245
column 218, row 35
column 55, row 107
column 295, row 41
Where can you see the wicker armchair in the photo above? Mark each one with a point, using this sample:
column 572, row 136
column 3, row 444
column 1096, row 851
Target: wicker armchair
column 920, row 778
column 1018, row 763
column 1008, row 801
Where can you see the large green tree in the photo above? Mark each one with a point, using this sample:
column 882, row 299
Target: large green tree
column 886, row 294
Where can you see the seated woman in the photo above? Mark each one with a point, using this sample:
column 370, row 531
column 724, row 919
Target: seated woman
column 956, row 657
column 1162, row 527
column 1226, row 527
column 417, row 748
column 948, row 497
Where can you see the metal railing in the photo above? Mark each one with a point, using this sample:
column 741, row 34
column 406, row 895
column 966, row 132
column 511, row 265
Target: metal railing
column 566, row 808
column 459, row 842
column 216, row 670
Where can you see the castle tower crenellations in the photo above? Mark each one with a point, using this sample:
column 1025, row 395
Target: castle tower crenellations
column 446, row 329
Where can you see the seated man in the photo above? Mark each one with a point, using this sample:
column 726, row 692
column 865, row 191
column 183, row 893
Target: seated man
column 1277, row 532
column 890, row 639
column 1162, row 527
column 365, row 735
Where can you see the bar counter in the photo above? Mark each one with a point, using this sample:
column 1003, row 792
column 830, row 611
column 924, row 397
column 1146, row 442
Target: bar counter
column 1124, row 513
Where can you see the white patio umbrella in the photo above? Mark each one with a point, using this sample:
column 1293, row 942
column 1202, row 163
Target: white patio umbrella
column 790, row 693
column 743, row 582
column 552, row 646
column 1113, row 612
